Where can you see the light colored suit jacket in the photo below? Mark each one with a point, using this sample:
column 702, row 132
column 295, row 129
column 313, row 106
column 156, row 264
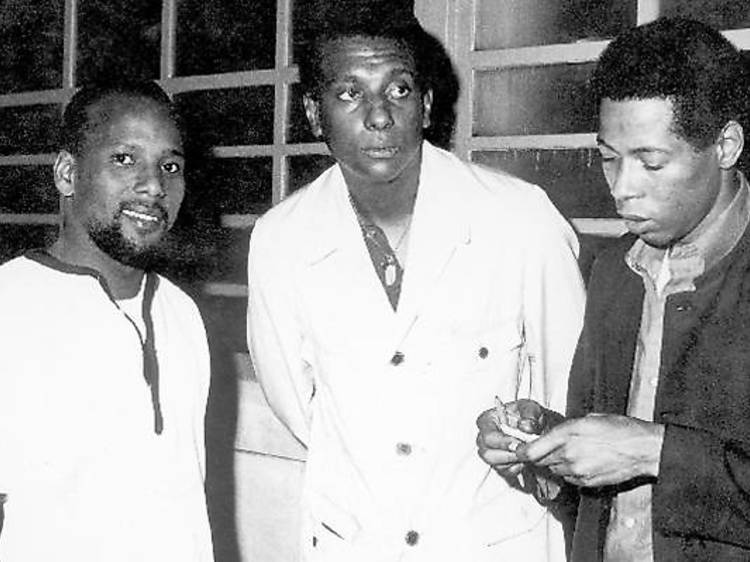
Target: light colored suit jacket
column 386, row 402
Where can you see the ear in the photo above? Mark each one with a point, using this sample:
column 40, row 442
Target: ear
column 312, row 110
column 64, row 170
column 730, row 144
column 426, row 108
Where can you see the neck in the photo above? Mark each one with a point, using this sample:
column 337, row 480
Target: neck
column 386, row 203
column 123, row 281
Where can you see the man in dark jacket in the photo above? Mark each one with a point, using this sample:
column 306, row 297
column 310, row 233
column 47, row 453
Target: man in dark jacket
column 658, row 436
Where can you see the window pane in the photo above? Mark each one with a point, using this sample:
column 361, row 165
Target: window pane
column 534, row 100
column 722, row 14
column 225, row 319
column 29, row 129
column 227, row 36
column 17, row 238
column 27, row 189
column 520, row 23
column 233, row 116
column 118, row 39
column 31, row 43
column 573, row 179
column 304, row 169
column 235, row 185
column 232, row 256
column 299, row 128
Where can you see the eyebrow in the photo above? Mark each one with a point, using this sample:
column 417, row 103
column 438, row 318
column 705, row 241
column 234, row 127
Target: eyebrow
column 640, row 150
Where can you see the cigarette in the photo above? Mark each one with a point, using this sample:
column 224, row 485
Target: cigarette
column 501, row 419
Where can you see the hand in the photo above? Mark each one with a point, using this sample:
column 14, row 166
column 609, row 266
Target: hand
column 497, row 448
column 598, row 450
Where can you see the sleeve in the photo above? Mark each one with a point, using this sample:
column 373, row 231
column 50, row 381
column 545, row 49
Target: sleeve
column 275, row 335
column 203, row 382
column 554, row 300
column 703, row 489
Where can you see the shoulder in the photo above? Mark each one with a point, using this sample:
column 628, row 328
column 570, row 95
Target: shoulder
column 178, row 297
column 612, row 257
column 490, row 182
column 295, row 209
column 23, row 275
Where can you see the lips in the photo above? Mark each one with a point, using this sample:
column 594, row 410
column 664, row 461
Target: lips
column 381, row 151
column 146, row 217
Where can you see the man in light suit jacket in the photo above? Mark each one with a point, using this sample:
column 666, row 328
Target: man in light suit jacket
column 394, row 297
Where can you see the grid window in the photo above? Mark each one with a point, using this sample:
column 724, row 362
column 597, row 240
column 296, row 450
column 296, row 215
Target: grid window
column 521, row 23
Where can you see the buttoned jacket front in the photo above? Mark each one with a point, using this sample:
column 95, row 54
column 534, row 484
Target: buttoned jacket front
column 386, row 402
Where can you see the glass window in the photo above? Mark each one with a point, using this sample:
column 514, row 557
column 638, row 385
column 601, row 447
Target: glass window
column 534, row 100
column 31, row 43
column 234, row 185
column 227, row 36
column 225, row 319
column 17, row 238
column 232, row 256
column 573, row 179
column 29, row 129
column 520, row 23
column 118, row 39
column 27, row 189
column 721, row 14
column 304, row 169
column 233, row 116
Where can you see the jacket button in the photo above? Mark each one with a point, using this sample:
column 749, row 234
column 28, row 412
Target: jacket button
column 397, row 358
column 483, row 352
column 403, row 449
column 412, row 538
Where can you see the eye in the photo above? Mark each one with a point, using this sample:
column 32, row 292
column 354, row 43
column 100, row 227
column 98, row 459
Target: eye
column 350, row 94
column 398, row 91
column 123, row 159
column 172, row 167
column 653, row 167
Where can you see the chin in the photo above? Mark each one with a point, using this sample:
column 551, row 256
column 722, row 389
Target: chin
column 657, row 240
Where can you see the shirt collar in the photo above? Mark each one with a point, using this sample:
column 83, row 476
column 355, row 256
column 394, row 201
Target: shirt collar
column 682, row 263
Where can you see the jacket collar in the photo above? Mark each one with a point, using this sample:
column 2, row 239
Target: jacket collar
column 333, row 221
column 441, row 224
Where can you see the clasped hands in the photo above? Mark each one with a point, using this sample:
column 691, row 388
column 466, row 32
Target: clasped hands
column 596, row 450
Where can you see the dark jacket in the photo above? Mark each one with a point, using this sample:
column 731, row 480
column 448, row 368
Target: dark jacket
column 701, row 499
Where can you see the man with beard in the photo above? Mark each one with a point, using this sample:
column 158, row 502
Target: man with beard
column 104, row 366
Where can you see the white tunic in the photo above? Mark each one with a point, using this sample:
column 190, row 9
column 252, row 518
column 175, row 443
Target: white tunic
column 87, row 478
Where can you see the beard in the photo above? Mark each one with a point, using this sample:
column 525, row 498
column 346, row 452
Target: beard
column 111, row 240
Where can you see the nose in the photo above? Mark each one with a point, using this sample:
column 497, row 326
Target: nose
column 623, row 181
column 379, row 115
column 150, row 182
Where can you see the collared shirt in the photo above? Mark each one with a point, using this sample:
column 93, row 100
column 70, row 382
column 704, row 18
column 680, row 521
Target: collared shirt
column 664, row 273
column 384, row 258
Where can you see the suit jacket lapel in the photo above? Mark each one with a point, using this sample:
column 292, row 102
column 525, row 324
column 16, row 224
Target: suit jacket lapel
column 440, row 226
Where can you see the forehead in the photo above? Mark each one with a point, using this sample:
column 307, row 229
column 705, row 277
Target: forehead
column 637, row 120
column 351, row 55
column 119, row 115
